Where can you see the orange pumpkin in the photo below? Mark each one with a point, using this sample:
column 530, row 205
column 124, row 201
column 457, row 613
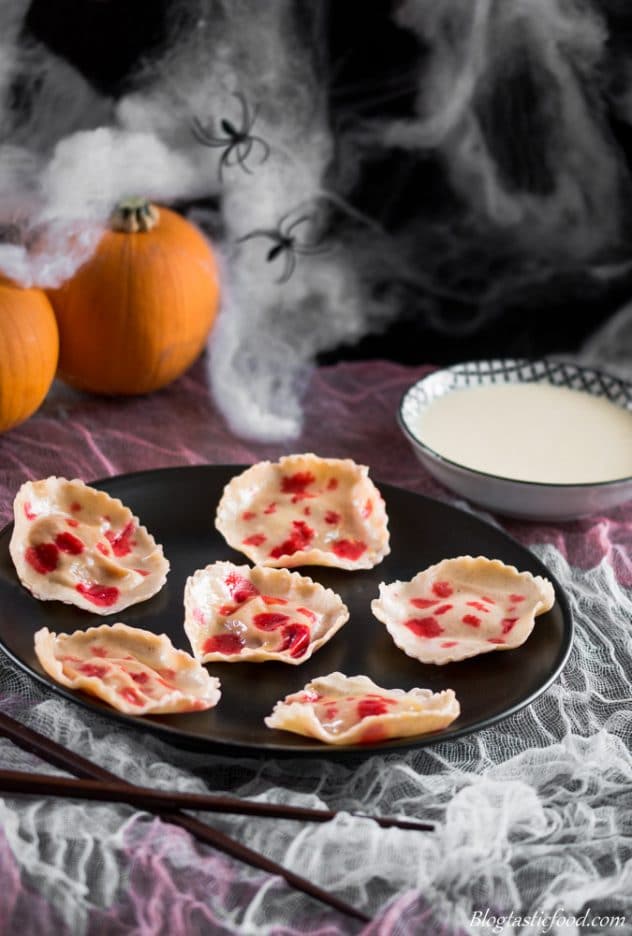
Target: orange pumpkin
column 29, row 345
column 137, row 314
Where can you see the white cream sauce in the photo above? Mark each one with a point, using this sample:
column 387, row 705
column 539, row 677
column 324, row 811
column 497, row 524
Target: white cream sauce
column 531, row 432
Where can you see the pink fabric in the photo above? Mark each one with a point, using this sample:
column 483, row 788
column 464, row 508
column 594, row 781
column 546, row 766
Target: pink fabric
column 350, row 412
column 22, row 910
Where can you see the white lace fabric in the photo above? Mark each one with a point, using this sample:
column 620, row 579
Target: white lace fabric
column 534, row 814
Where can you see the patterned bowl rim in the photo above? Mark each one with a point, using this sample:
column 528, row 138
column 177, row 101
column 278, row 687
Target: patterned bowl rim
column 544, row 369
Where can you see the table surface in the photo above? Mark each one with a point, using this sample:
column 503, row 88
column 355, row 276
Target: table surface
column 551, row 782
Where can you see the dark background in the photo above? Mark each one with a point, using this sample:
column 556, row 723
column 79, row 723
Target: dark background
column 373, row 67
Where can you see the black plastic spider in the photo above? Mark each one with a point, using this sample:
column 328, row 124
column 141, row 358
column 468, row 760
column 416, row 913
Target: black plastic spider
column 238, row 142
column 285, row 243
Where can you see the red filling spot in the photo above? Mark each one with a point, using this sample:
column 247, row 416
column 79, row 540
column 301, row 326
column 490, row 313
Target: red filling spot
column 227, row 644
column 72, row 523
column 495, row 640
column 28, row 513
column 424, row 627
column 143, row 572
column 240, row 588
column 307, row 511
column 516, row 598
column 478, row 605
column 69, row 544
column 103, row 548
column 330, row 710
column 140, row 678
column 296, row 639
column 300, row 537
column 167, row 673
column 349, row 549
column 130, row 695
column 270, row 620
column 296, row 483
column 102, row 595
column 373, row 734
column 271, row 508
column 93, row 669
column 224, row 610
column 272, row 600
column 257, row 539
column 489, row 600
column 308, row 696
column 472, row 620
column 332, row 484
column 301, row 497
column 423, row 602
column 443, row 608
column 307, row 613
column 75, row 506
column 507, row 624
column 332, row 517
column 448, row 643
column 43, row 557
column 373, row 706
column 367, row 510
column 442, row 589
column 122, row 542
column 248, row 515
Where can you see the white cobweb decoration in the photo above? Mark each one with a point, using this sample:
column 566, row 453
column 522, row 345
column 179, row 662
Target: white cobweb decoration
column 532, row 815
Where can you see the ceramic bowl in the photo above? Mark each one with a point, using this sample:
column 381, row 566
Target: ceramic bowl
column 523, row 499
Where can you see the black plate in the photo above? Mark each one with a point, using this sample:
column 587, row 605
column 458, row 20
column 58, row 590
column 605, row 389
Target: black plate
column 178, row 506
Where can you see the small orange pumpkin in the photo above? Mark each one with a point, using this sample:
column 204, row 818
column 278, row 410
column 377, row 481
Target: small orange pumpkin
column 29, row 346
column 137, row 314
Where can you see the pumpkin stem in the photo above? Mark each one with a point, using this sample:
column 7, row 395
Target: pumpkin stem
column 133, row 215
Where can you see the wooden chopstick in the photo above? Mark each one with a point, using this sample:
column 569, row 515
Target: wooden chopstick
column 62, row 757
column 36, row 784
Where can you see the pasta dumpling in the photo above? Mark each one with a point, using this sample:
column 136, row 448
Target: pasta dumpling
column 133, row 670
column 462, row 607
column 236, row 613
column 305, row 510
column 76, row 544
column 339, row 709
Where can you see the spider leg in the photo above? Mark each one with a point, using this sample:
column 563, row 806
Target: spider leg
column 203, row 136
column 310, row 249
column 264, row 146
column 232, row 155
column 296, row 223
column 245, row 118
column 260, row 232
column 243, row 156
column 210, row 142
column 248, row 126
column 223, row 162
column 290, row 266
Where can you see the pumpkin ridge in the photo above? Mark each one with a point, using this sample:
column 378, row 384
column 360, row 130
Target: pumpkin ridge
column 137, row 314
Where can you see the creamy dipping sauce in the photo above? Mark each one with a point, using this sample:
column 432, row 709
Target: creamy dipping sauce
column 530, row 432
